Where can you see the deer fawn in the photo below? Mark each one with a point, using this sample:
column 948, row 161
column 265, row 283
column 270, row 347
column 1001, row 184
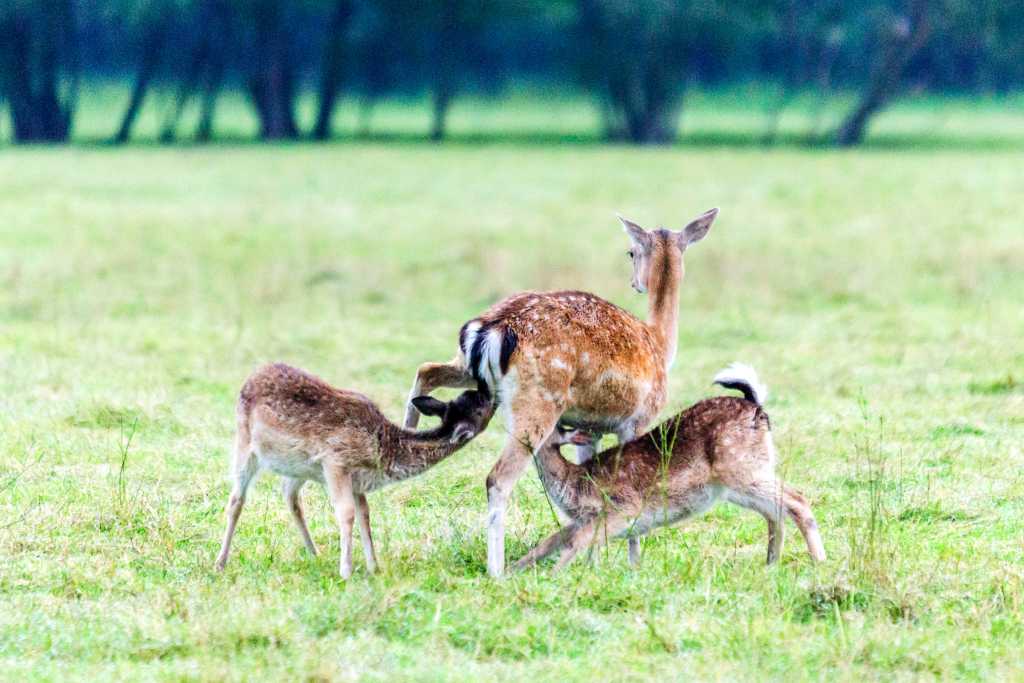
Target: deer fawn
column 302, row 428
column 718, row 448
column 553, row 354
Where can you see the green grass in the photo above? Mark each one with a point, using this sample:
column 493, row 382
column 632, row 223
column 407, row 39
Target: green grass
column 878, row 293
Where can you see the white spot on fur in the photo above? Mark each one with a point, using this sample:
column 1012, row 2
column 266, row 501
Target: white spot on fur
column 550, row 397
column 559, row 363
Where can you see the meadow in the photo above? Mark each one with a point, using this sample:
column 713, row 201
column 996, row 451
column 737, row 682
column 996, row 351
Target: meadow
column 878, row 292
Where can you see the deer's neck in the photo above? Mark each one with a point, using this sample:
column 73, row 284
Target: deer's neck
column 559, row 477
column 663, row 301
column 409, row 452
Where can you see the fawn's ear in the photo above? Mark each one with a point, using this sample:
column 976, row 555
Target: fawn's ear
column 637, row 235
column 697, row 229
column 462, row 433
column 428, row 405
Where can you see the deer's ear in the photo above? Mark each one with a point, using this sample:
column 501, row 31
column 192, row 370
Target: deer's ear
column 428, row 405
column 697, row 229
column 637, row 235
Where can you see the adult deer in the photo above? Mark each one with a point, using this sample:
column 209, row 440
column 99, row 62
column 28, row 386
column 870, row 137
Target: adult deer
column 548, row 355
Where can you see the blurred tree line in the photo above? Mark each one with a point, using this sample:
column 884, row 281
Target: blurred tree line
column 636, row 57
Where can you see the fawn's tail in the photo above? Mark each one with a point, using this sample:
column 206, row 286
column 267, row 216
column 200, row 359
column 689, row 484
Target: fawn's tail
column 743, row 377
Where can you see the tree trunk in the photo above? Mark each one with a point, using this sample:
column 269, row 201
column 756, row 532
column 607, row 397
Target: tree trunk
column 907, row 37
column 212, row 50
column 366, row 105
column 214, row 77
column 442, row 102
column 41, row 38
column 650, row 105
column 271, row 85
column 448, row 50
column 332, row 67
column 791, row 48
column 152, row 46
column 638, row 70
column 186, row 87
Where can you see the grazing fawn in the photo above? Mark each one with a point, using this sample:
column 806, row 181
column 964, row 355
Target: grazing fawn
column 718, row 448
column 302, row 428
column 549, row 355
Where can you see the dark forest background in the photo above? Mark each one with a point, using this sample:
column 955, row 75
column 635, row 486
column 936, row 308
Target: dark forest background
column 636, row 59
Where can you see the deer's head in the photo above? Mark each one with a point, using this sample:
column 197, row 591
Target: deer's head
column 462, row 418
column 660, row 249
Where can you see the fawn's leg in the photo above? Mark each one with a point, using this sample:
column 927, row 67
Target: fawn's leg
column 765, row 499
column 549, row 545
column 799, row 510
column 246, row 468
column 339, row 488
column 431, row 376
column 363, row 510
column 625, row 434
column 290, row 488
column 634, row 551
column 591, row 533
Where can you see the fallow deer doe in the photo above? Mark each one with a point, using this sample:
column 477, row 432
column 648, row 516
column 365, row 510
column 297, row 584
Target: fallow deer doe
column 545, row 355
column 718, row 448
column 302, row 428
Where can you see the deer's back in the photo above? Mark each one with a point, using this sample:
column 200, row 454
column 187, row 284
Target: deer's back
column 293, row 415
column 708, row 444
column 605, row 361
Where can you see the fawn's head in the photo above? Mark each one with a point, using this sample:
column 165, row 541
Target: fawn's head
column 462, row 418
column 658, row 250
column 564, row 434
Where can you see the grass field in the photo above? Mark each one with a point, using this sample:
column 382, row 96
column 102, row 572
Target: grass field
column 879, row 293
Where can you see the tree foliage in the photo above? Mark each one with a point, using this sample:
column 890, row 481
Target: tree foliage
column 636, row 57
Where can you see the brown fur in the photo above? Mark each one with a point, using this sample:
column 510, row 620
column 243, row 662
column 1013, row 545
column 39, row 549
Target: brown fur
column 719, row 447
column 302, row 428
column 575, row 355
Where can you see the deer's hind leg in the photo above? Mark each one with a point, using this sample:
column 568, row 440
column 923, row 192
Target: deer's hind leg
column 363, row 510
column 765, row 499
column 800, row 512
column 291, row 489
column 774, row 500
column 246, row 467
column 431, row 376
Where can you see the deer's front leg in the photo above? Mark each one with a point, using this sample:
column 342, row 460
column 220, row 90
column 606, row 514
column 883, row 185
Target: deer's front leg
column 503, row 476
column 543, row 549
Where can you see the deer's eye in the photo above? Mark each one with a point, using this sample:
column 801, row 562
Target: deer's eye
column 629, row 253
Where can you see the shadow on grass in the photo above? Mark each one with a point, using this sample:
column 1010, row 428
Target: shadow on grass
column 884, row 142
